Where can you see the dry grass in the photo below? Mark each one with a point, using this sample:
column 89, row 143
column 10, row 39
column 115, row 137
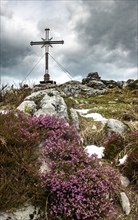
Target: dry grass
column 11, row 98
column 93, row 133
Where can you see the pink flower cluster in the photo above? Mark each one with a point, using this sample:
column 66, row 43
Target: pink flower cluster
column 77, row 186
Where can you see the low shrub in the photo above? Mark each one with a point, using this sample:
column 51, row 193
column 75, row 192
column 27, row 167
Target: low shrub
column 18, row 158
column 20, row 136
column 76, row 187
column 113, row 143
column 80, row 195
column 130, row 168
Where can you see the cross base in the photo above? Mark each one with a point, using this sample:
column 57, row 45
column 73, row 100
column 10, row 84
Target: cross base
column 46, row 82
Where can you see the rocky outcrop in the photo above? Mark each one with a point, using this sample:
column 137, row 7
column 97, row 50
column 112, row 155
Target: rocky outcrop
column 28, row 107
column 76, row 89
column 24, row 213
column 110, row 84
column 93, row 80
column 45, row 102
column 131, row 84
column 91, row 77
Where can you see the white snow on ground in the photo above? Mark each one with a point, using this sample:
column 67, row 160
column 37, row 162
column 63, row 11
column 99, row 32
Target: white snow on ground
column 82, row 111
column 95, row 116
column 123, row 160
column 93, row 149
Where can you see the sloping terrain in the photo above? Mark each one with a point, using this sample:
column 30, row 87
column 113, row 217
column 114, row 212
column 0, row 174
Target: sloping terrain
column 118, row 104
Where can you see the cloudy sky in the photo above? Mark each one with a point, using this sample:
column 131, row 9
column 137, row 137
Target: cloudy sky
column 99, row 36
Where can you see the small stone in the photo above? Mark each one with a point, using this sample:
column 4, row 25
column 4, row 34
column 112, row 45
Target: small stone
column 124, row 181
column 116, row 126
column 125, row 203
column 75, row 118
column 94, row 127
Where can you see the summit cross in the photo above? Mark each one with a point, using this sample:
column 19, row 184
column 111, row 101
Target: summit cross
column 46, row 43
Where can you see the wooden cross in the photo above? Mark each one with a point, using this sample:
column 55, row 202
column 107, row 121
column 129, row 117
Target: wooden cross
column 46, row 43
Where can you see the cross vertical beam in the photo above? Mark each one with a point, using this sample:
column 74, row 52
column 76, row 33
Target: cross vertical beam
column 46, row 43
column 46, row 51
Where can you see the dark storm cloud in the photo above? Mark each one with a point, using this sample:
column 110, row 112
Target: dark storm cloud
column 99, row 35
column 14, row 43
column 12, row 53
column 108, row 35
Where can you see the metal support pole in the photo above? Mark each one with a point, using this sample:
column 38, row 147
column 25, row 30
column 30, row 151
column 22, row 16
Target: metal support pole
column 46, row 51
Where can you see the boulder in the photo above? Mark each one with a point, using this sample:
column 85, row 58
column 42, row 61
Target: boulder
column 75, row 118
column 125, row 203
column 110, row 84
column 96, row 84
column 91, row 77
column 45, row 102
column 114, row 125
column 27, row 106
column 93, row 80
column 120, row 84
column 25, row 213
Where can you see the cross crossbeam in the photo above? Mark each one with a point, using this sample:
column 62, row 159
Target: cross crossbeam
column 46, row 43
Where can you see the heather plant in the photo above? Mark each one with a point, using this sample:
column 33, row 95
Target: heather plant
column 50, row 126
column 113, row 143
column 130, row 168
column 20, row 136
column 19, row 166
column 76, row 187
column 84, row 194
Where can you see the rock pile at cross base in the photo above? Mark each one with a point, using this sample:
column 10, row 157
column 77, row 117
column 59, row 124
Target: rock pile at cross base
column 92, row 85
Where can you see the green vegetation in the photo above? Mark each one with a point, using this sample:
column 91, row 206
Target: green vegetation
column 20, row 138
column 11, row 98
column 19, row 166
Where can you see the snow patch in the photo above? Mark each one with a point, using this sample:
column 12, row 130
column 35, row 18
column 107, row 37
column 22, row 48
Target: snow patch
column 123, row 160
column 82, row 111
column 96, row 117
column 93, row 149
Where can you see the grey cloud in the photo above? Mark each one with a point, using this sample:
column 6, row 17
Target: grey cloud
column 14, row 47
column 11, row 54
column 105, row 35
column 111, row 25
